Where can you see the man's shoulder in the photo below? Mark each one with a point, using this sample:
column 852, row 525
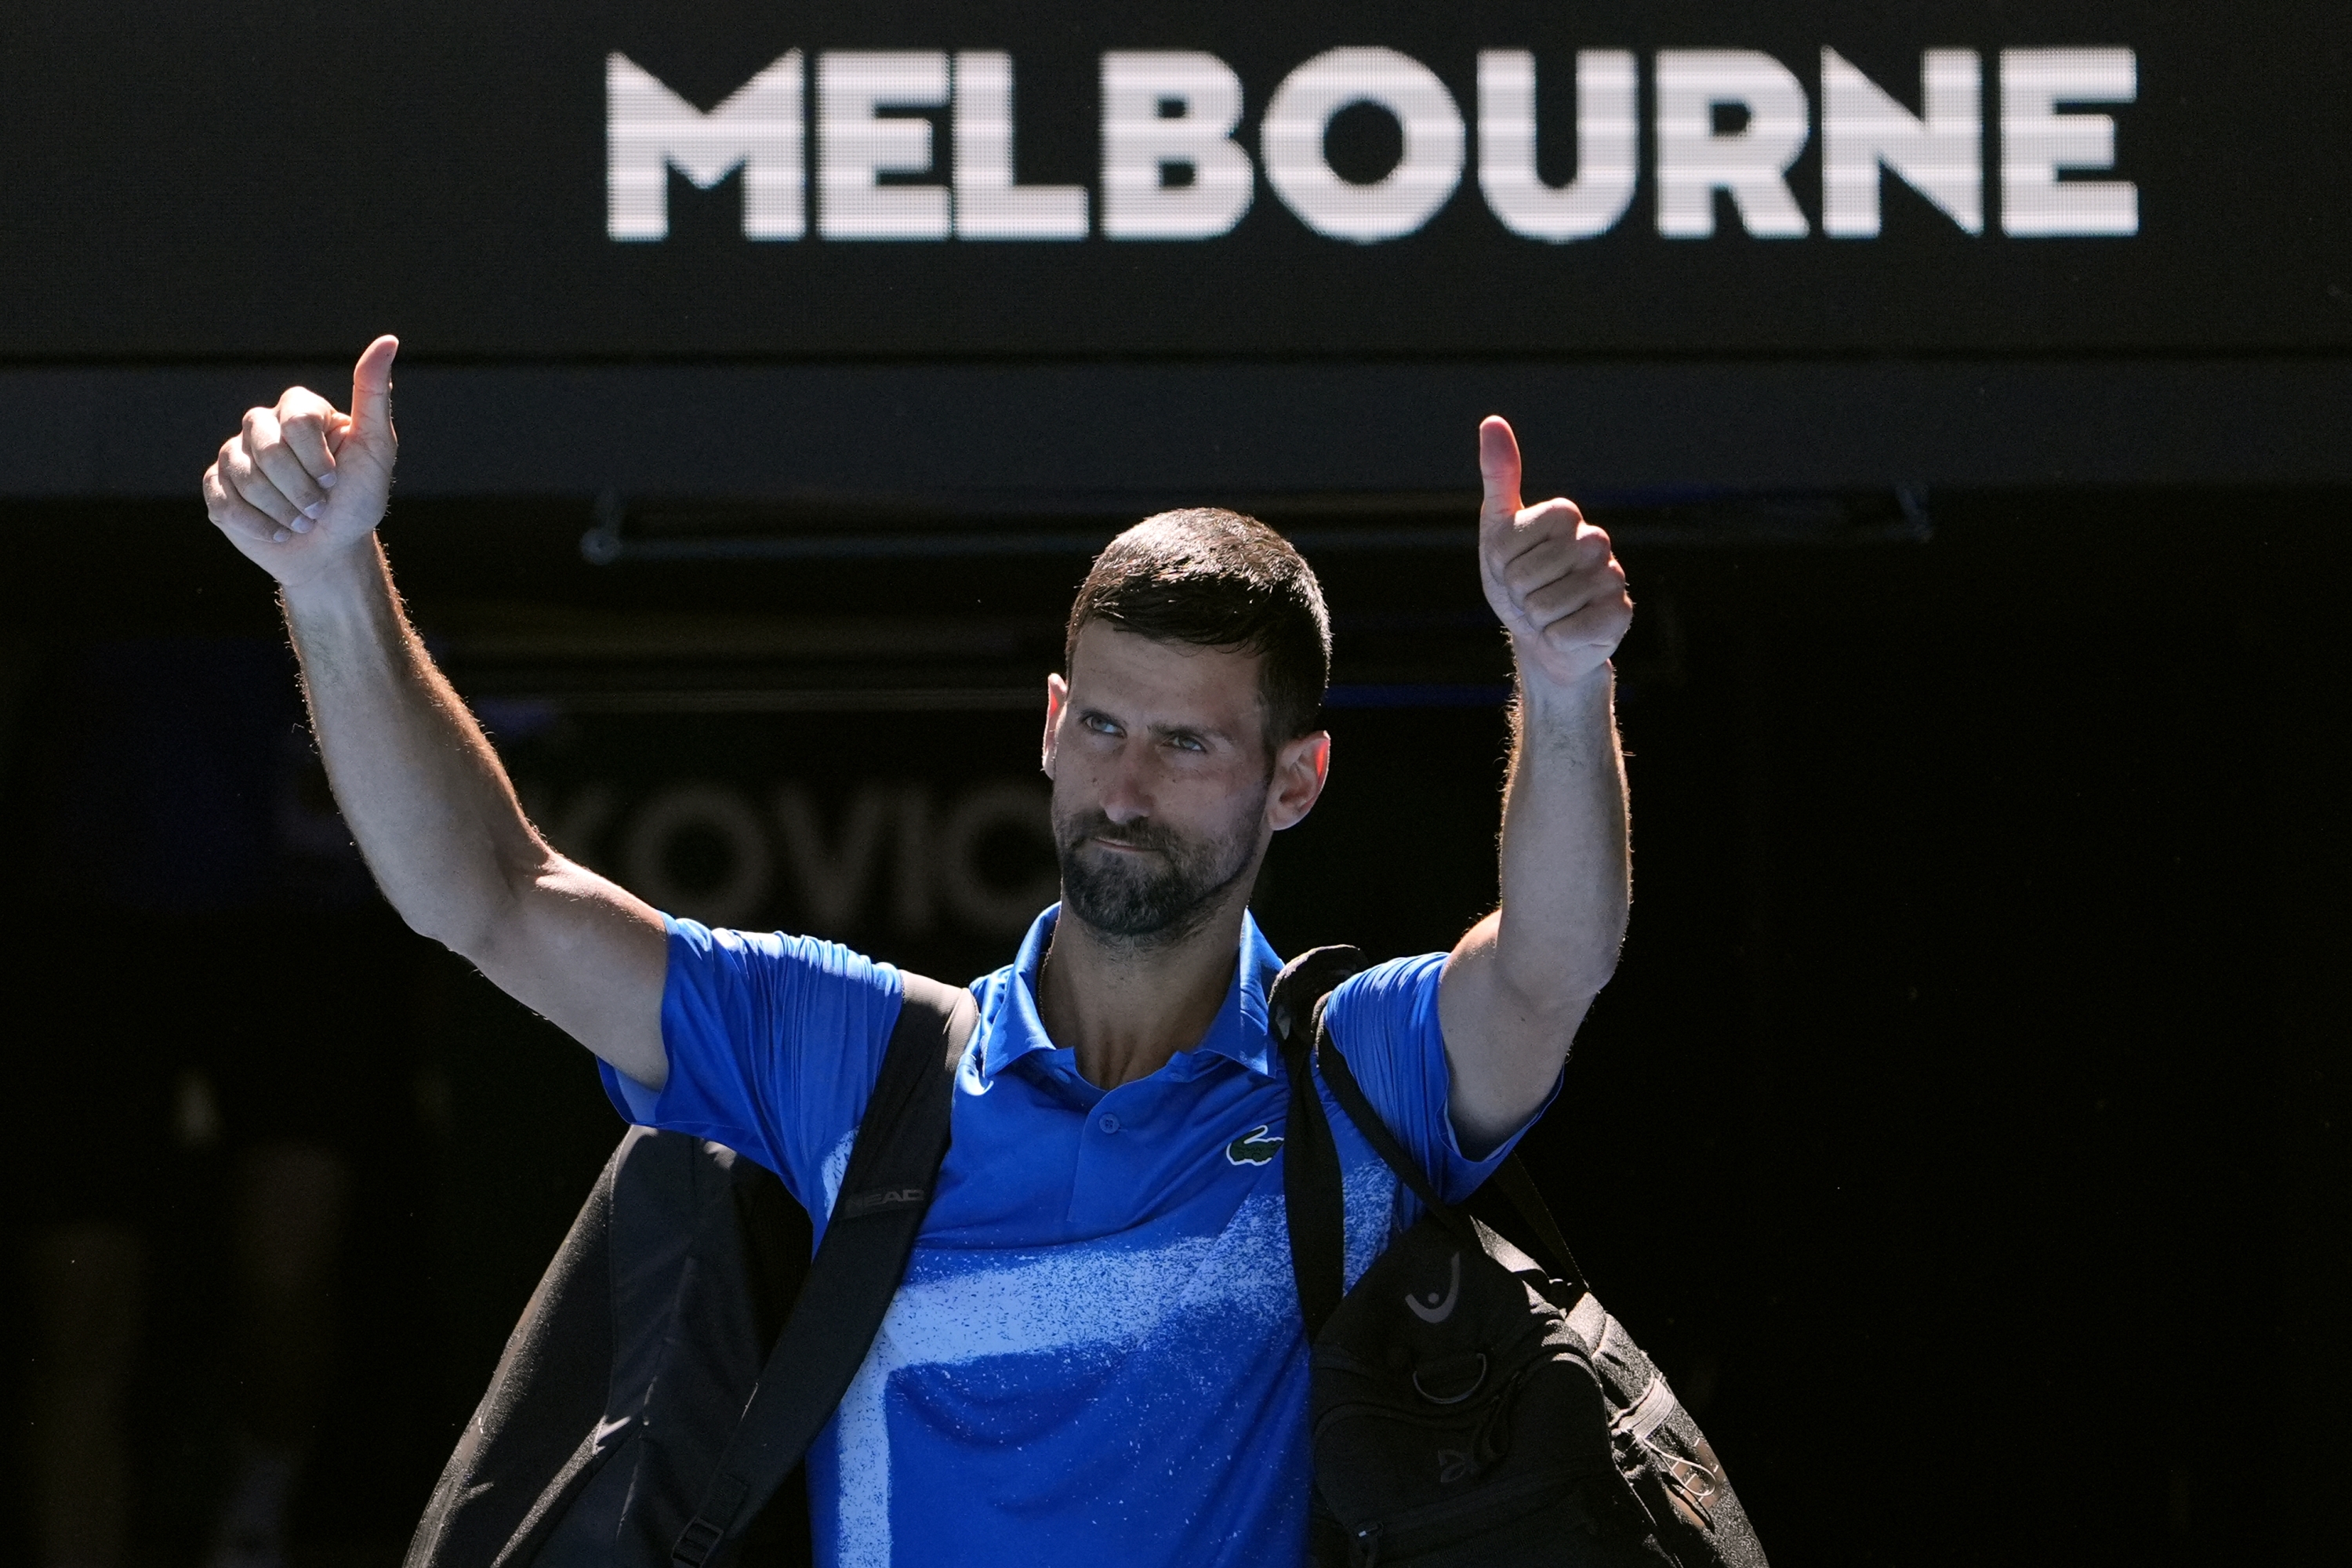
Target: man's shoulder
column 763, row 985
column 1396, row 988
column 1384, row 1021
column 693, row 943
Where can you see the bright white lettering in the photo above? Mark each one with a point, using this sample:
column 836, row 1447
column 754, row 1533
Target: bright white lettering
column 1940, row 154
column 1166, row 114
column 1606, row 139
column 857, row 145
column 988, row 204
column 2037, row 141
column 1751, row 163
column 1727, row 122
column 1300, row 112
column 649, row 130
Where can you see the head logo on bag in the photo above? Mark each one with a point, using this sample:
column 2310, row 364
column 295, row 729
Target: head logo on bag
column 856, row 1205
column 1253, row 1147
column 1436, row 1308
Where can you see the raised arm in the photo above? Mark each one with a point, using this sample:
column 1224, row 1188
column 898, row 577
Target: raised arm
column 1519, row 983
column 299, row 491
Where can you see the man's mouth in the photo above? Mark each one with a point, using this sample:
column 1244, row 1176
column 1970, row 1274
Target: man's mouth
column 1123, row 844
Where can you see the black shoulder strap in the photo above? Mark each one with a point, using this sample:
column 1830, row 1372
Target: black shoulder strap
column 1312, row 1206
column 893, row 1166
column 1345, row 1090
column 1520, row 1187
column 1511, row 1176
column 1310, row 1177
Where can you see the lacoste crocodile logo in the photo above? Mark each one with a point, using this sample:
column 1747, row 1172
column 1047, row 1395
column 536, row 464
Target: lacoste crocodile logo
column 1253, row 1147
column 1437, row 1311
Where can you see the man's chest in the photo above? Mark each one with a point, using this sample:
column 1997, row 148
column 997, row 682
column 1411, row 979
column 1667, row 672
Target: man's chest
column 1089, row 1216
column 1101, row 1297
column 1088, row 1258
column 1039, row 1158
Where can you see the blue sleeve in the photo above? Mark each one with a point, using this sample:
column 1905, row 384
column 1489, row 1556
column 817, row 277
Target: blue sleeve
column 1384, row 1022
column 773, row 1044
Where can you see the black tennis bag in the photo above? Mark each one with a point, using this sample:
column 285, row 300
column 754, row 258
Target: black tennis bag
column 684, row 1350
column 1471, row 1408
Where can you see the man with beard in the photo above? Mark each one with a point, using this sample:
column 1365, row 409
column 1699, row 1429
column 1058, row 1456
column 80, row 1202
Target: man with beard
column 1097, row 1355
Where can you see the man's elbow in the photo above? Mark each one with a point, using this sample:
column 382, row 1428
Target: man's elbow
column 1559, row 993
column 472, row 920
column 464, row 932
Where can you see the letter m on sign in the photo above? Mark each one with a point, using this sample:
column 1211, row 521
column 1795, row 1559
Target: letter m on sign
column 649, row 130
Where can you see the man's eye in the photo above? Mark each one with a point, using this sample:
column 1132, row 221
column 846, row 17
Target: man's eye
column 1186, row 743
column 1098, row 724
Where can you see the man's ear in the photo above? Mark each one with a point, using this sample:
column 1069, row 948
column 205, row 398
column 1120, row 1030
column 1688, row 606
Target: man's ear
column 1301, row 768
column 1057, row 702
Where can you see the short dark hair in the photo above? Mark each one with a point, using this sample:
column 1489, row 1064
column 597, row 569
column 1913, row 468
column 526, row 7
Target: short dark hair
column 1218, row 579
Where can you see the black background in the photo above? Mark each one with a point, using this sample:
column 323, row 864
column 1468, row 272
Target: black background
column 1964, row 1129
column 242, row 180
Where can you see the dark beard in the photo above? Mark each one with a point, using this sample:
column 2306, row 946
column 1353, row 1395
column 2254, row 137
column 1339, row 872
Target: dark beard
column 1146, row 902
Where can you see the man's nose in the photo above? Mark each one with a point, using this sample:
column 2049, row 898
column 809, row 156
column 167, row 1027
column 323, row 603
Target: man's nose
column 1126, row 793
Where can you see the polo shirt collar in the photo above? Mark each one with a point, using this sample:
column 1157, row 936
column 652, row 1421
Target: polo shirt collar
column 1238, row 1033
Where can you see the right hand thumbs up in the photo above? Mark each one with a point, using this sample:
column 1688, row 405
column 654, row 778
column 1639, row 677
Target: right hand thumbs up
column 303, row 482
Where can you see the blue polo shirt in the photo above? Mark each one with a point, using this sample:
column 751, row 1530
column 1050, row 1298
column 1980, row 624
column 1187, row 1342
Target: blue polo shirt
column 1097, row 1356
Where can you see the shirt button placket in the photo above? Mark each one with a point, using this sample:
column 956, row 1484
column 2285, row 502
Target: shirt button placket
column 1108, row 1122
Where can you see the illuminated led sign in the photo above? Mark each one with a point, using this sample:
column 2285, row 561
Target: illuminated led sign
column 1183, row 180
column 1174, row 167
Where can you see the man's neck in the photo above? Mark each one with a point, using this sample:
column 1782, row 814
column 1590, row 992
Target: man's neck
column 1125, row 1009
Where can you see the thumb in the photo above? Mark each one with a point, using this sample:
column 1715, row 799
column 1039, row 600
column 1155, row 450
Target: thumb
column 371, row 395
column 1498, row 470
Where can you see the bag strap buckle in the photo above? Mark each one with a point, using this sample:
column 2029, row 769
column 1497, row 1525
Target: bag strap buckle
column 695, row 1542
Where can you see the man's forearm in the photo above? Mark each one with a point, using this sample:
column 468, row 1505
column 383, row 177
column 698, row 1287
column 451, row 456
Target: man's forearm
column 1518, row 982
column 1566, row 871
column 416, row 779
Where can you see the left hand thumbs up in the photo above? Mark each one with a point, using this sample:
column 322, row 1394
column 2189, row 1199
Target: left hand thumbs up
column 1548, row 575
